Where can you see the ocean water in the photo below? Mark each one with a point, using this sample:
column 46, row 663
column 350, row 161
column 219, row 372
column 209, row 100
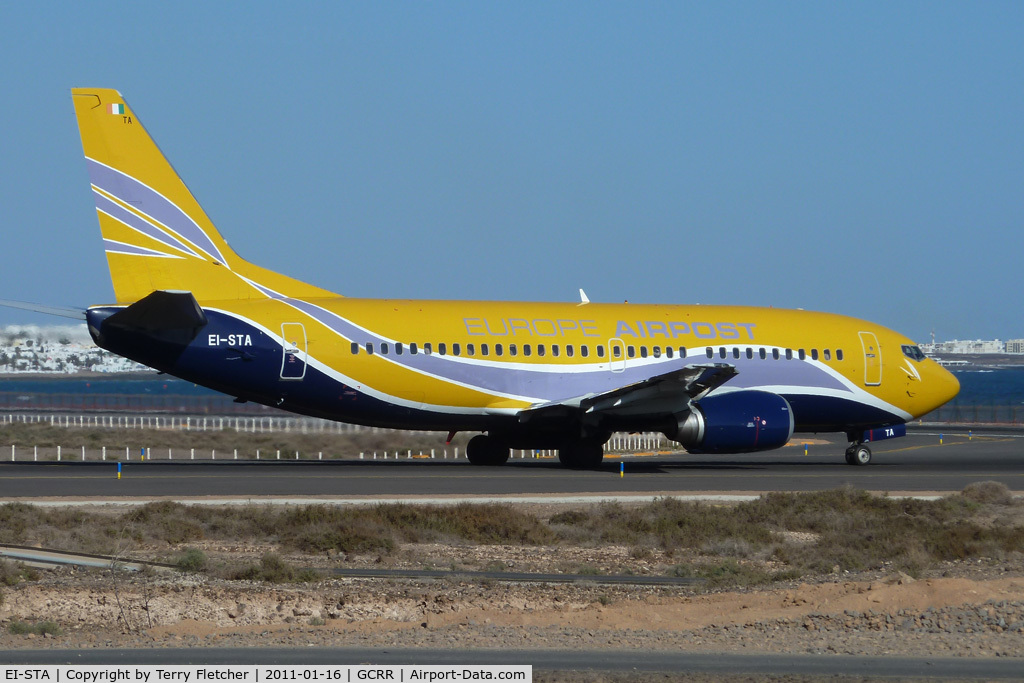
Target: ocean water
column 142, row 385
column 1001, row 386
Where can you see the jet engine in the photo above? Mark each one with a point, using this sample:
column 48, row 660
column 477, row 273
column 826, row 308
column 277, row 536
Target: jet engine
column 735, row 422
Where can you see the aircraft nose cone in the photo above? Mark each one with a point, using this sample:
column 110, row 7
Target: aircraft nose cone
column 948, row 386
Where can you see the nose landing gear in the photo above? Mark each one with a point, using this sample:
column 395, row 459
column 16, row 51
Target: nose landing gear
column 858, row 454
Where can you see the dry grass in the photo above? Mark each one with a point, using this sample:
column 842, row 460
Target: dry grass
column 859, row 531
column 309, row 528
column 779, row 536
column 71, row 439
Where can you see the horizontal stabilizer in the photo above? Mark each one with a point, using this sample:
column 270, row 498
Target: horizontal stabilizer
column 63, row 311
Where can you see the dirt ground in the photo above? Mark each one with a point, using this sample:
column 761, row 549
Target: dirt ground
column 960, row 609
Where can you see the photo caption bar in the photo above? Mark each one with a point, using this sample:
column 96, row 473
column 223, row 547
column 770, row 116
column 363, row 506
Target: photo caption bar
column 121, row 673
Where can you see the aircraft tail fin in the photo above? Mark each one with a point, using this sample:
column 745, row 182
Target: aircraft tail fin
column 156, row 235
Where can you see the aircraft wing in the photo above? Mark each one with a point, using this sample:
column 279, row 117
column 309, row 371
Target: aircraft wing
column 665, row 394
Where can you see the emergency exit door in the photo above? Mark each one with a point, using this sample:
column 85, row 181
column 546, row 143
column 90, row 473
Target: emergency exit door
column 293, row 351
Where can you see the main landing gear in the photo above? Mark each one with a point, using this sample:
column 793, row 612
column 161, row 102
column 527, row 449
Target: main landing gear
column 582, row 454
column 486, row 450
column 585, row 454
column 858, row 454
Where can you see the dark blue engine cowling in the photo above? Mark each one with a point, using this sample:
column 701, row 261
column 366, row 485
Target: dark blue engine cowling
column 736, row 422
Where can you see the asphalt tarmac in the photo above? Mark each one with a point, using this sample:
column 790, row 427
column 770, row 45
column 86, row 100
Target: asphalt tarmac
column 918, row 463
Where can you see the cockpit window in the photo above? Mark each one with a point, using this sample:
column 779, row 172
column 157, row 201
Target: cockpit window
column 913, row 352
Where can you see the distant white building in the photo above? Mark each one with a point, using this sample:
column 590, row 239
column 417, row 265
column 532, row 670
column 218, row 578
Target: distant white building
column 57, row 350
column 976, row 346
column 1015, row 345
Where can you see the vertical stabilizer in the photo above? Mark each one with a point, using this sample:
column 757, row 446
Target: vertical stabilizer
column 156, row 235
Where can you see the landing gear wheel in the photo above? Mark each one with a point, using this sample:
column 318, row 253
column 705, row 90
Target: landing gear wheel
column 582, row 455
column 487, row 451
column 858, row 455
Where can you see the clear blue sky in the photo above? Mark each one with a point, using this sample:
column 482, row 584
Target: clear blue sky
column 860, row 158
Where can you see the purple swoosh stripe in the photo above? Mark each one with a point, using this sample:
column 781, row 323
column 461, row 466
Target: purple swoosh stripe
column 796, row 373
column 270, row 293
column 131, row 191
column 123, row 248
column 130, row 219
column 555, row 386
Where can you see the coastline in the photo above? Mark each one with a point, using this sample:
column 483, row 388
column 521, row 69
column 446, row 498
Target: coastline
column 85, row 374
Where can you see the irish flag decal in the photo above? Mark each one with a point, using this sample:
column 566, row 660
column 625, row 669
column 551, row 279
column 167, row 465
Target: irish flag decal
column 115, row 108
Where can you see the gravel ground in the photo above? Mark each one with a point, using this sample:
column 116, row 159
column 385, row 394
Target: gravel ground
column 972, row 611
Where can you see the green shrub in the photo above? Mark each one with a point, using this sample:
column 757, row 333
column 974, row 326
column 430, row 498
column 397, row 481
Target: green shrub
column 192, row 560
column 20, row 628
column 273, row 569
column 12, row 573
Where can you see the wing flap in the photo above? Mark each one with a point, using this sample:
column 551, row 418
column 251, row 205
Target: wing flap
column 668, row 393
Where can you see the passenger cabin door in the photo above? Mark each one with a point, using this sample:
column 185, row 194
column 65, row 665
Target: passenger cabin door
column 872, row 359
column 293, row 351
column 616, row 355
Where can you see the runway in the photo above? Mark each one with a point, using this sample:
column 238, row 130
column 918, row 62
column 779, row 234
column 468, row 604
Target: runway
column 918, row 463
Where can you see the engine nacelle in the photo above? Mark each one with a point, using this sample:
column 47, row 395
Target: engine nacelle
column 736, row 422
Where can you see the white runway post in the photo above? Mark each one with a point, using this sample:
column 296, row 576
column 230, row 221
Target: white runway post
column 104, row 453
column 58, row 453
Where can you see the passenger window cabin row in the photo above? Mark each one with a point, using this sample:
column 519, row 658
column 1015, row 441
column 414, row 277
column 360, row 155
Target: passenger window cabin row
column 569, row 350
column 485, row 349
column 776, row 354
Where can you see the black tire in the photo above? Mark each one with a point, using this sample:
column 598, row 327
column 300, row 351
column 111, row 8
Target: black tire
column 861, row 456
column 486, row 451
column 582, row 455
column 858, row 456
